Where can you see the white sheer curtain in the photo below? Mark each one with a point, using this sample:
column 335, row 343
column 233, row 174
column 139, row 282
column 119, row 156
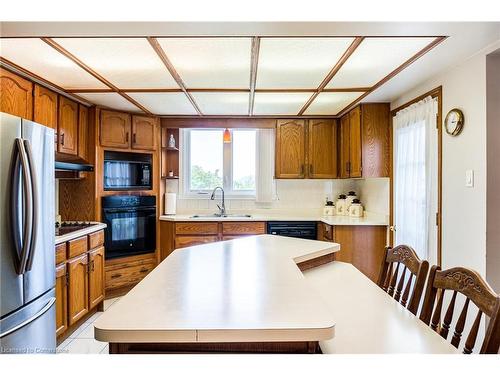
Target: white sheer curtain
column 415, row 177
column 265, row 185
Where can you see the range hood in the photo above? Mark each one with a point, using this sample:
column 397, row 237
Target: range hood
column 65, row 166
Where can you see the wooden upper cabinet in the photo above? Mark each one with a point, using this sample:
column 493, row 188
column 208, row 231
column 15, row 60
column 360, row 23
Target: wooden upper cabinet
column 16, row 95
column 344, row 147
column 115, row 129
column 355, row 142
column 61, row 300
column 375, row 140
column 96, row 276
column 144, row 132
column 83, row 132
column 78, row 296
column 67, row 127
column 290, row 149
column 45, row 109
column 322, row 153
column 364, row 141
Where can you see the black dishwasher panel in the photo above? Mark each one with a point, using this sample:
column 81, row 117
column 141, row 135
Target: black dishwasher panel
column 298, row 229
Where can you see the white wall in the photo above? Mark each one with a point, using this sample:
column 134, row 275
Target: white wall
column 464, row 209
column 493, row 172
column 307, row 196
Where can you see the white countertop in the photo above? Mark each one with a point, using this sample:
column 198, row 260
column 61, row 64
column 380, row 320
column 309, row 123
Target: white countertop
column 248, row 289
column 82, row 232
column 367, row 320
column 262, row 215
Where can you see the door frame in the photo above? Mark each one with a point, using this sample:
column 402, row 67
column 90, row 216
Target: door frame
column 434, row 93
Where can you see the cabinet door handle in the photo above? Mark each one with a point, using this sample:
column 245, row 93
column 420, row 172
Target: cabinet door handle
column 143, row 270
column 302, row 170
column 134, row 138
column 116, row 275
column 126, row 137
column 310, row 169
column 62, row 139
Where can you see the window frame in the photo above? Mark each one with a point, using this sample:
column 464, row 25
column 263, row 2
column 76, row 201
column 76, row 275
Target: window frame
column 227, row 167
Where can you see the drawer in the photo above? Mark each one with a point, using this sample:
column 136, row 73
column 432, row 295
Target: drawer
column 185, row 241
column 60, row 253
column 121, row 277
column 96, row 239
column 196, row 228
column 244, row 227
column 327, row 232
column 77, row 246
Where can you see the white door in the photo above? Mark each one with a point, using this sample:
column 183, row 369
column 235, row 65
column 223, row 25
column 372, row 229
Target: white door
column 415, row 178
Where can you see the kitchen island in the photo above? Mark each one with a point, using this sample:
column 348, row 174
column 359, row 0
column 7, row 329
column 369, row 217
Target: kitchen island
column 243, row 295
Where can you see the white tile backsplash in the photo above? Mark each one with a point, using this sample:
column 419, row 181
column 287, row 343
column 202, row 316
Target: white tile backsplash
column 298, row 194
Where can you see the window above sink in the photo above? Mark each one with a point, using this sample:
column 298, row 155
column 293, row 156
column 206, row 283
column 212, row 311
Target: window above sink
column 207, row 162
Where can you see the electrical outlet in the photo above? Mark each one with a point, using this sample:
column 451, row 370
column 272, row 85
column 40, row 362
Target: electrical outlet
column 469, row 178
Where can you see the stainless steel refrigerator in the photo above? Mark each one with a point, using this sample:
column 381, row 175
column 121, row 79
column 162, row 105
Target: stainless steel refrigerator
column 27, row 264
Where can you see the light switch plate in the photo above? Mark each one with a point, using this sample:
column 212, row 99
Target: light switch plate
column 469, row 178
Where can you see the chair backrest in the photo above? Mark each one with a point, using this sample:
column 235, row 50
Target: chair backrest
column 413, row 272
column 474, row 288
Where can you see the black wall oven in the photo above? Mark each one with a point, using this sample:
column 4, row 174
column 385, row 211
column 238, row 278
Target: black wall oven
column 131, row 225
column 127, row 171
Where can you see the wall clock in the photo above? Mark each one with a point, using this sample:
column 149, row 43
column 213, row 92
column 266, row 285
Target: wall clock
column 454, row 122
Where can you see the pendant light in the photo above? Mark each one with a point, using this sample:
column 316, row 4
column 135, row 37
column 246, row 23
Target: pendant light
column 227, row 136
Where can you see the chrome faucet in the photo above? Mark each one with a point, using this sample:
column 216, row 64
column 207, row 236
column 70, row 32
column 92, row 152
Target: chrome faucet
column 222, row 207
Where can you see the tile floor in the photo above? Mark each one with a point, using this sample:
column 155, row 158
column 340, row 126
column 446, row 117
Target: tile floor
column 82, row 340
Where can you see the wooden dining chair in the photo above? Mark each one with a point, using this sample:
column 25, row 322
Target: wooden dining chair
column 403, row 257
column 470, row 284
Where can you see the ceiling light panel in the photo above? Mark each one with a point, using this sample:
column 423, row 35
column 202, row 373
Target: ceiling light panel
column 165, row 103
column 41, row 59
column 374, row 59
column 295, row 63
column 331, row 103
column 210, row 62
column 288, row 103
column 128, row 63
column 222, row 103
column 111, row 100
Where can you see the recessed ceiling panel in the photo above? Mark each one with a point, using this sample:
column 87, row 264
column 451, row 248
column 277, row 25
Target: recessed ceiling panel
column 165, row 103
column 374, row 59
column 222, row 103
column 125, row 62
column 297, row 62
column 331, row 103
column 210, row 62
column 41, row 59
column 111, row 100
column 288, row 103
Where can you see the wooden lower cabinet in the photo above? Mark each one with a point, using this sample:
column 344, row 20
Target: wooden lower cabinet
column 96, row 276
column 127, row 274
column 186, row 241
column 79, row 281
column 361, row 245
column 61, row 299
column 78, row 295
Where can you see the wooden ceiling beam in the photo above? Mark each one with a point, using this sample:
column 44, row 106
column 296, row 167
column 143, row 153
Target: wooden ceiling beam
column 356, row 42
column 166, row 61
column 254, row 63
column 92, row 72
column 396, row 71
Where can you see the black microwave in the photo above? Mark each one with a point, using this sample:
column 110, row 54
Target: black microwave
column 127, row 171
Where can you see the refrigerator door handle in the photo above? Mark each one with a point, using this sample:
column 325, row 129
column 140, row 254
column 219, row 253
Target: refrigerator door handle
column 32, row 318
column 20, row 161
column 34, row 199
